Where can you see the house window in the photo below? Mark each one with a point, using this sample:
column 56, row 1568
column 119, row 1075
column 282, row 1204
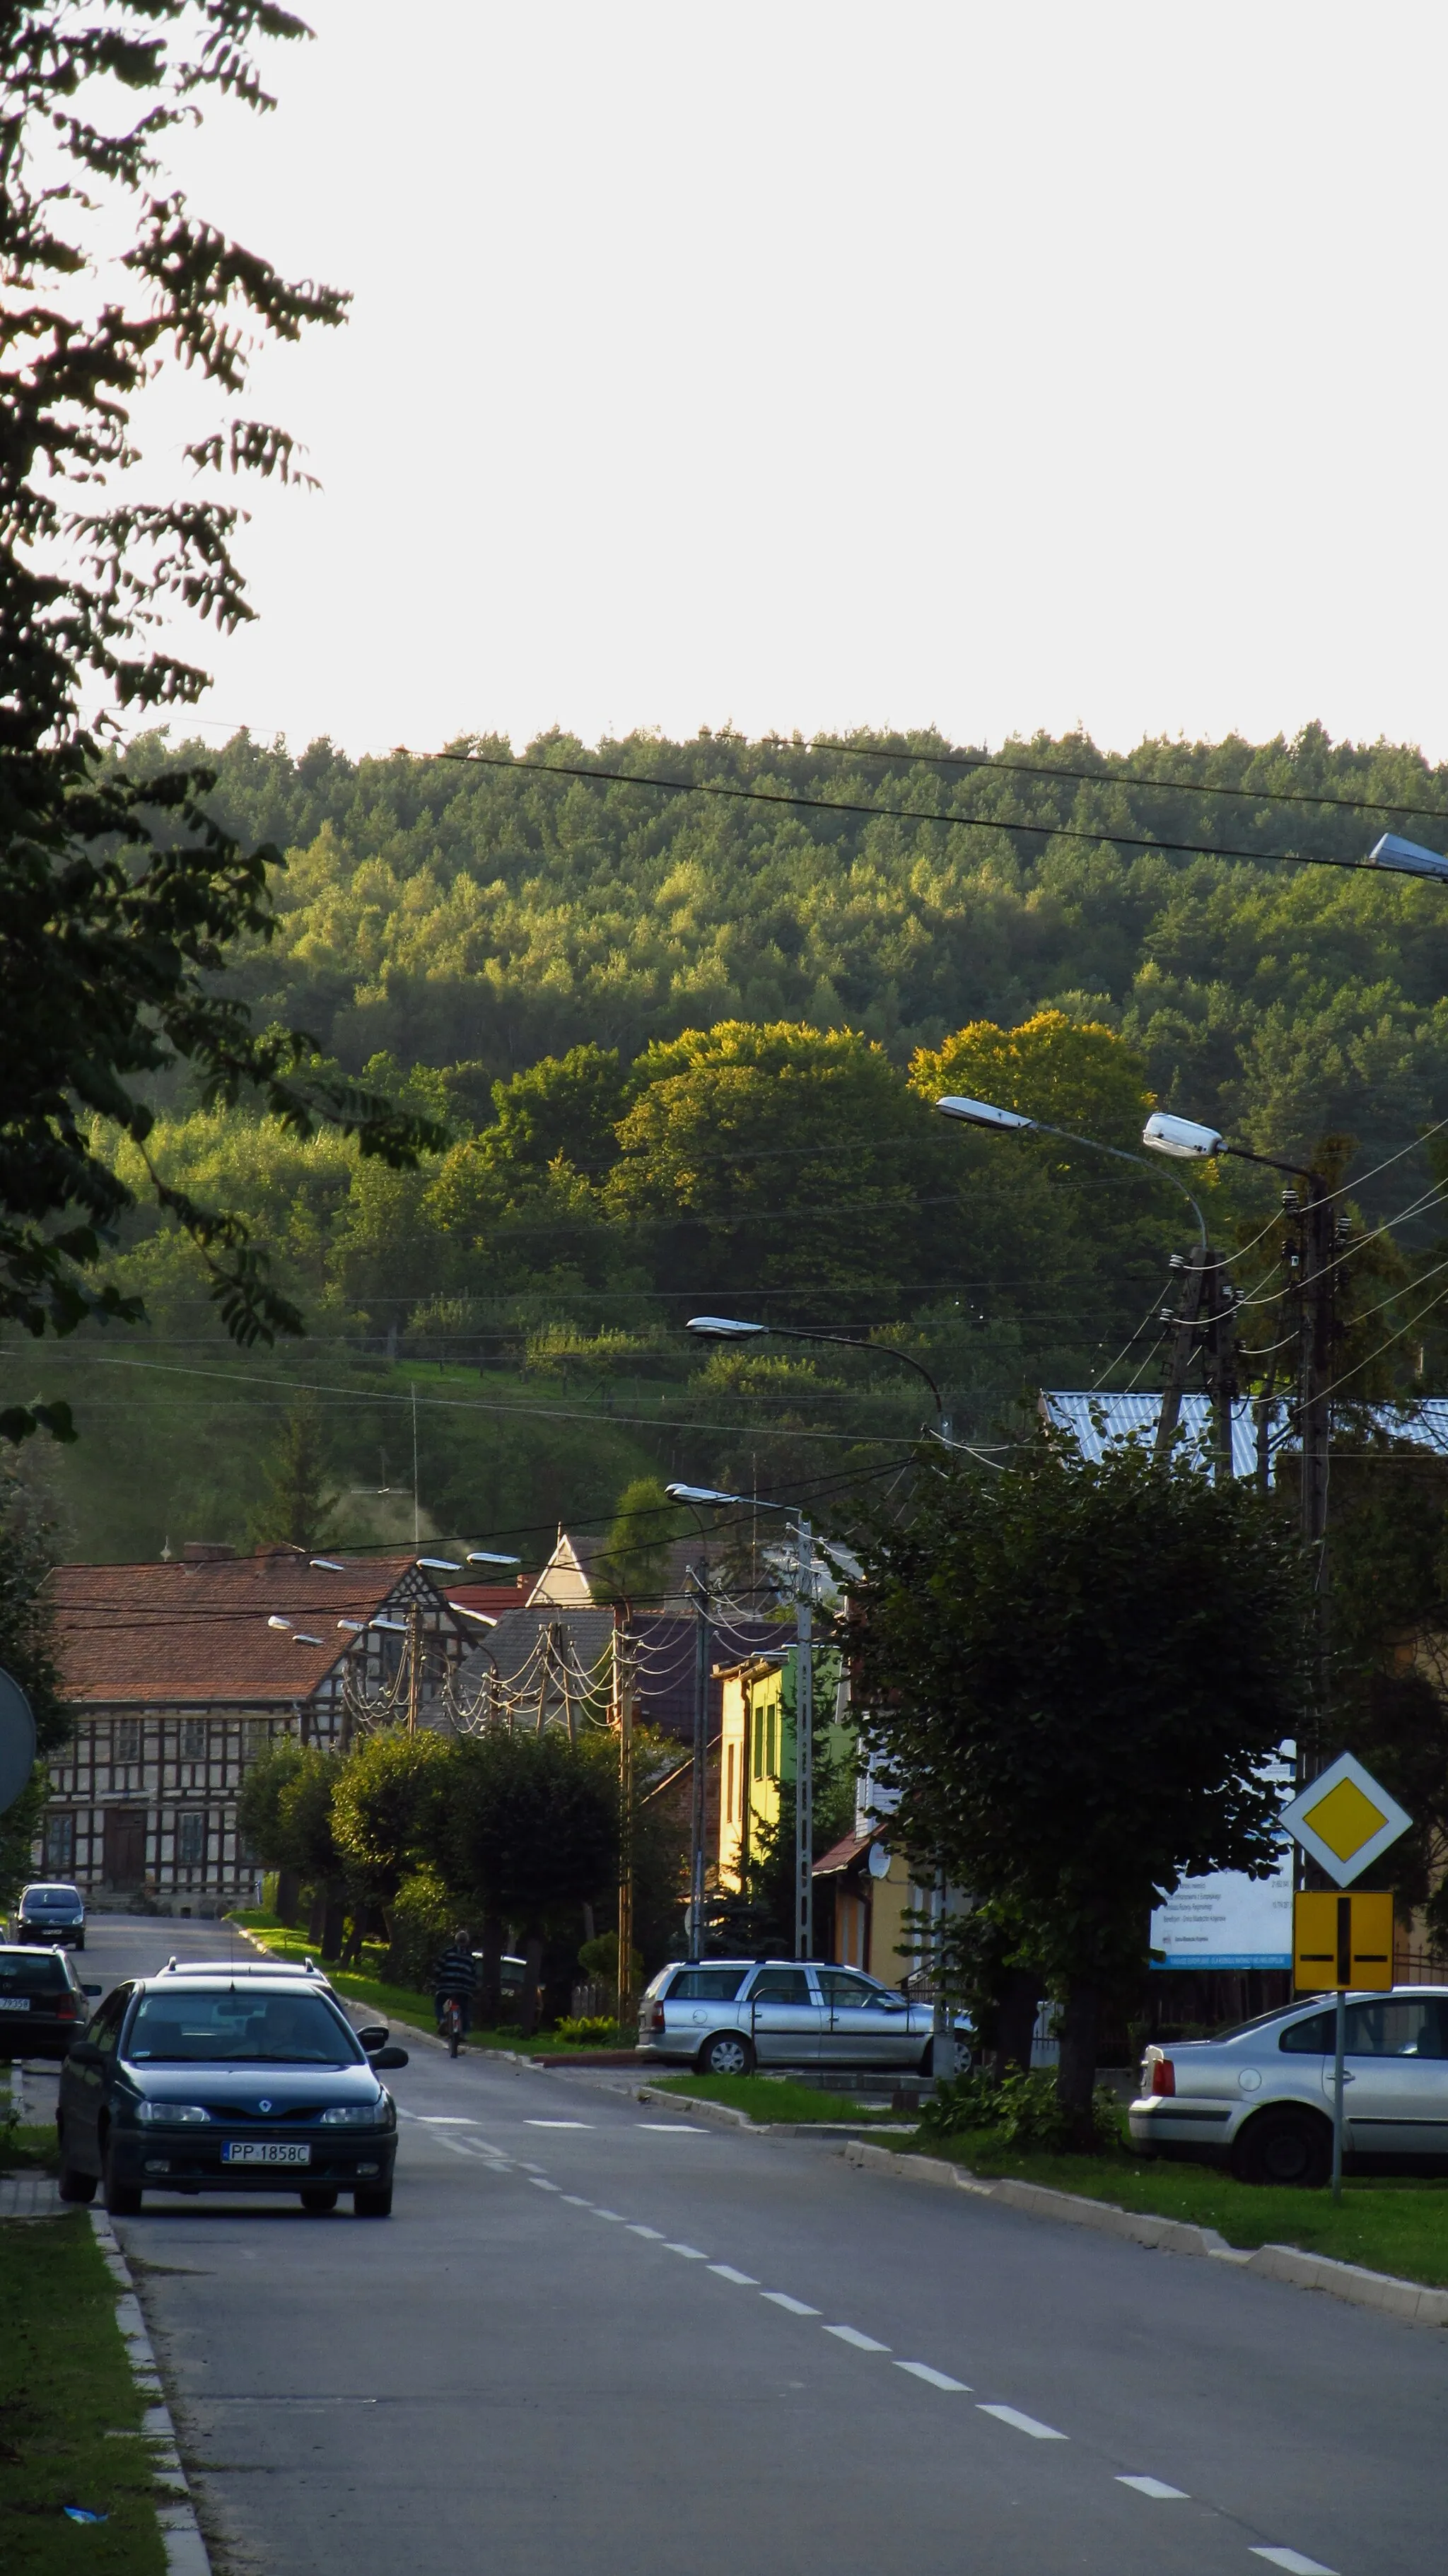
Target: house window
column 127, row 1741
column 60, row 1846
column 255, row 1737
column 191, row 1839
column 729, row 1816
column 193, row 1739
column 771, row 1758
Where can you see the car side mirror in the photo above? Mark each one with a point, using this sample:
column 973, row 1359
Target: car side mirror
column 84, row 2052
column 388, row 2057
column 374, row 2034
column 90, row 1990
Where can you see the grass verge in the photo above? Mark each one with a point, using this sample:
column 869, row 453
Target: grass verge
column 1399, row 2225
column 393, row 2003
column 768, row 2097
column 27, row 2150
column 65, row 2387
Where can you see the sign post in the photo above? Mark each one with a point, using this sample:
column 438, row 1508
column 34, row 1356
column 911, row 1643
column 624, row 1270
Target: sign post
column 1343, row 1820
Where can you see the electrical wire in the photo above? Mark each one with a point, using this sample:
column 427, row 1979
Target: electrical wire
column 1102, row 777
column 890, row 813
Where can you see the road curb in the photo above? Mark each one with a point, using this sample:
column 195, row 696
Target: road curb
column 186, row 2550
column 725, row 2117
column 1412, row 2301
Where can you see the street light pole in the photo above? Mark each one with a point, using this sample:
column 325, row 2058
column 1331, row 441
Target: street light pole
column 803, row 1708
column 725, row 1328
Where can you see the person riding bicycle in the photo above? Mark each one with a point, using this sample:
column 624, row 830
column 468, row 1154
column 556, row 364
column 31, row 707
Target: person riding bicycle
column 455, row 1978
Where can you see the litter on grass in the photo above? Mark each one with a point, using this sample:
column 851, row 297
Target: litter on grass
column 82, row 2513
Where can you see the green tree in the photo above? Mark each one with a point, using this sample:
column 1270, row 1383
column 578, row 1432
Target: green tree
column 300, row 1497
column 780, row 1158
column 27, row 1653
column 120, row 895
column 1072, row 1673
column 392, row 1795
column 529, row 1834
column 634, row 1566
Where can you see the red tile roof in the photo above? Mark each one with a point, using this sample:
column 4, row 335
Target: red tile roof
column 136, row 1635
column 844, row 1854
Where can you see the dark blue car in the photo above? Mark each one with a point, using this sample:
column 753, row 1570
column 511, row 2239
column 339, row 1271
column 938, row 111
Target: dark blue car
column 208, row 2084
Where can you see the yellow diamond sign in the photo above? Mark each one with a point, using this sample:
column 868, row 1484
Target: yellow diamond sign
column 1345, row 1818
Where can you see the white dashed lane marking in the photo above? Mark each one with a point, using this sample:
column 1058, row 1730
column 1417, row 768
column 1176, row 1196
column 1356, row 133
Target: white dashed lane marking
column 1293, row 2562
column 1025, row 2424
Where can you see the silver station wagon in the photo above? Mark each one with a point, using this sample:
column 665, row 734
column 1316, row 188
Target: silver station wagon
column 1259, row 2098
column 726, row 2016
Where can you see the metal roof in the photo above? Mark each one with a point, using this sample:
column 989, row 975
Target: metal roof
column 1098, row 1420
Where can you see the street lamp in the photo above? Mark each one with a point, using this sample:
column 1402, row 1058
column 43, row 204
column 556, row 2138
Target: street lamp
column 725, row 1328
column 1406, row 858
column 710, row 1495
column 984, row 1113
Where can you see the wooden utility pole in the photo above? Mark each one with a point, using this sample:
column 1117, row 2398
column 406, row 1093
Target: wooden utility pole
column 414, row 1664
column 1183, row 1345
column 623, row 1719
column 703, row 1643
column 804, row 1747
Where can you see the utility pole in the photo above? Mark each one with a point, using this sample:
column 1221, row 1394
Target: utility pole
column 1317, row 1277
column 1184, row 1342
column 414, row 1657
column 703, row 1649
column 1220, row 1363
column 804, row 1747
column 623, row 1713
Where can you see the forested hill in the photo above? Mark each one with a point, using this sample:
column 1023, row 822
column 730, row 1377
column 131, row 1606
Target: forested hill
column 449, row 914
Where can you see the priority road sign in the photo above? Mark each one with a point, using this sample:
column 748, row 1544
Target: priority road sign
column 1344, row 1818
column 1342, row 1941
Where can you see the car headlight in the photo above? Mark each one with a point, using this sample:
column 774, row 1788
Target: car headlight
column 170, row 2115
column 359, row 2115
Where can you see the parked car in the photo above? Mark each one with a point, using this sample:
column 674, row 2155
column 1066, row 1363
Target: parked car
column 234, row 1968
column 1259, row 2098
column 50, row 1911
column 204, row 2084
column 42, row 2001
column 724, row 2016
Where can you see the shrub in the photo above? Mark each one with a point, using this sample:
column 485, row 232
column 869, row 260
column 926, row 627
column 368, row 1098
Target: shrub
column 1025, row 2111
column 590, row 2030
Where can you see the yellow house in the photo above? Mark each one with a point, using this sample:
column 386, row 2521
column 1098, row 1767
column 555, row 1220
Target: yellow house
column 752, row 1761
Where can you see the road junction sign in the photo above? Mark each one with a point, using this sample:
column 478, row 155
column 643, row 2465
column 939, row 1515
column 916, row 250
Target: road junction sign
column 1344, row 1819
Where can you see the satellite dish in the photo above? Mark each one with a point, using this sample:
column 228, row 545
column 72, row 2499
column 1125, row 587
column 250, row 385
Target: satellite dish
column 17, row 1741
column 879, row 1863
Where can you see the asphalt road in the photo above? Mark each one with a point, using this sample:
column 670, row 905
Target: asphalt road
column 596, row 2336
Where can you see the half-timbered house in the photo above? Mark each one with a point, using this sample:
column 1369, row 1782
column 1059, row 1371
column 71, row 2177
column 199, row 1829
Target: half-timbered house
column 179, row 1675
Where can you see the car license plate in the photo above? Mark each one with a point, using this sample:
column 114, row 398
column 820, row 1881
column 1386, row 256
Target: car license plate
column 242, row 2151
column 14, row 2003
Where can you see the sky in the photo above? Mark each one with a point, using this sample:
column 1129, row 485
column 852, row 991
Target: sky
column 809, row 366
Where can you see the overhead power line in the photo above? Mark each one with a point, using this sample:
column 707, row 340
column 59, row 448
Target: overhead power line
column 968, row 760
column 887, row 813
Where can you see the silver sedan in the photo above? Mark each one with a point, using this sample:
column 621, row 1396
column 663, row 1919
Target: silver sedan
column 1259, row 2098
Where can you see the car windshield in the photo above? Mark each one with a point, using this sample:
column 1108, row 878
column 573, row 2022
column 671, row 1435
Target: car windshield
column 181, row 2027
column 52, row 1896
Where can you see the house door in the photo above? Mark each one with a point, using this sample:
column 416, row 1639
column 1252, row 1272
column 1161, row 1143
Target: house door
column 125, row 1862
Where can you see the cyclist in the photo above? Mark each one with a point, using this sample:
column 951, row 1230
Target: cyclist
column 455, row 1978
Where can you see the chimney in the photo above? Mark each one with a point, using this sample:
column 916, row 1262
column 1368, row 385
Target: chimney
column 206, row 1551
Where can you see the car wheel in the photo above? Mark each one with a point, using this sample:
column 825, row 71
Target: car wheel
column 74, row 2185
column 927, row 2058
column 375, row 2202
column 122, row 2199
column 1284, row 2147
column 727, row 2053
column 318, row 2199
